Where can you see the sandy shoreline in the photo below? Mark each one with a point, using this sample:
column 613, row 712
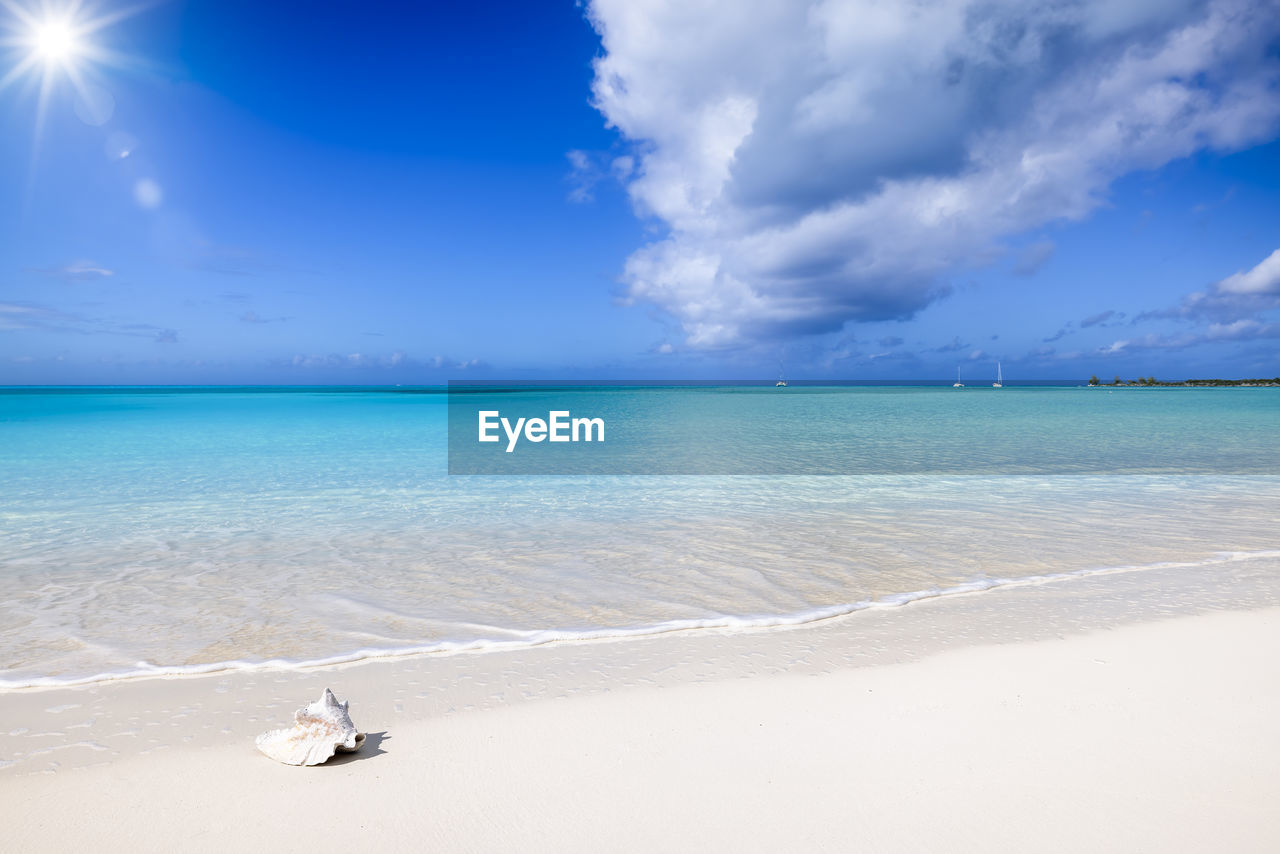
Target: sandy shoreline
column 1117, row 713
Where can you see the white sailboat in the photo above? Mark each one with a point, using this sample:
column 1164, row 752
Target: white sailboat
column 999, row 383
column 957, row 383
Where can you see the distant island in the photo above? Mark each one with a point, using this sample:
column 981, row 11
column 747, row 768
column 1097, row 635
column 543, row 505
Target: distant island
column 1152, row 381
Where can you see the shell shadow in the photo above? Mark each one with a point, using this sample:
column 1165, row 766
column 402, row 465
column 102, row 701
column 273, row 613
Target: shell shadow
column 372, row 747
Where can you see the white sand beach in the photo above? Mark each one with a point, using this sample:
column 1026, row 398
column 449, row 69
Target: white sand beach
column 1120, row 713
column 421, row 358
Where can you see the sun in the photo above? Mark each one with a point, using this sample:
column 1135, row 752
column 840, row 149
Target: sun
column 55, row 41
column 59, row 46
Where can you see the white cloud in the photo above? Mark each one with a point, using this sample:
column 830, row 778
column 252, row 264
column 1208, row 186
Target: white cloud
column 1262, row 279
column 17, row 316
column 358, row 360
column 1244, row 330
column 87, row 270
column 77, row 271
column 827, row 161
column 623, row 166
column 588, row 168
column 583, row 175
column 1240, row 295
column 1248, row 329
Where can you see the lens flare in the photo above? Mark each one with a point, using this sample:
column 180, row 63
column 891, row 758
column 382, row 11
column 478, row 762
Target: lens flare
column 58, row 44
column 57, row 40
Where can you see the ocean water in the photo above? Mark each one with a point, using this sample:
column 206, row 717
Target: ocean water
column 148, row 531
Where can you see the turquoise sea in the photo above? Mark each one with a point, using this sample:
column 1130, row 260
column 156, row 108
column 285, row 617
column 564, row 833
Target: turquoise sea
column 147, row 530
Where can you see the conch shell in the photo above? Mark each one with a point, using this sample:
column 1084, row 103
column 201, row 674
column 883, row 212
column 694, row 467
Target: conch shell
column 319, row 730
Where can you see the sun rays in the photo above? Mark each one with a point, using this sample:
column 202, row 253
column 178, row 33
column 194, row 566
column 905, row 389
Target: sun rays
column 49, row 44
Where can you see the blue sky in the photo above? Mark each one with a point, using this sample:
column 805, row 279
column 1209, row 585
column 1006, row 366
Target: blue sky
column 240, row 192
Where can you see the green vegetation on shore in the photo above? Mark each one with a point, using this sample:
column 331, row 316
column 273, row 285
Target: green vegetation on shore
column 1152, row 381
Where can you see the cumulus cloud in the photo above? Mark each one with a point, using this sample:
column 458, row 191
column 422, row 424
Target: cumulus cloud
column 1240, row 295
column 1262, row 280
column 815, row 163
column 1247, row 329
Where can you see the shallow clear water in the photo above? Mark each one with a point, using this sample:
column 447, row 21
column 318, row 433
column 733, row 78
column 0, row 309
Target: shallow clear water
column 185, row 530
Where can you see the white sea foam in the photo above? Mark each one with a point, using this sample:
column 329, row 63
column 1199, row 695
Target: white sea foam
column 527, row 639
